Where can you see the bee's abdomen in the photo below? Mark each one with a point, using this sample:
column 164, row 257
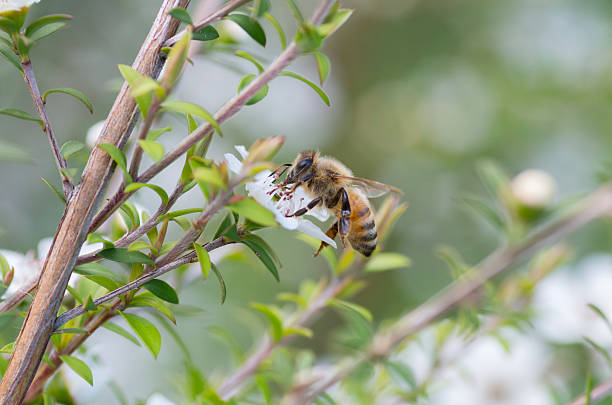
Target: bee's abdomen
column 363, row 234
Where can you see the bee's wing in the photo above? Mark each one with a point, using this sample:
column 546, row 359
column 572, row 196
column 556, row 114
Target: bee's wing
column 371, row 188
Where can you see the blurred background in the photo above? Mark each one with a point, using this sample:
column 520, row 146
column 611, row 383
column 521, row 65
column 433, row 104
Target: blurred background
column 421, row 91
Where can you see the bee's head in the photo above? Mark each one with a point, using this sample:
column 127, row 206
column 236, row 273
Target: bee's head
column 302, row 164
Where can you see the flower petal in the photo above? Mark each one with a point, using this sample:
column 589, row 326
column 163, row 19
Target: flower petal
column 233, row 163
column 242, row 150
column 307, row 227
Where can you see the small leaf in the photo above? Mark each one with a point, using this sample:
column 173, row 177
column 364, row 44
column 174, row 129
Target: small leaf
column 121, row 332
column 122, row 255
column 79, row 367
column 316, row 88
column 176, row 60
column 401, row 372
column 149, row 300
column 263, row 251
column 335, row 21
column 96, row 269
column 163, row 290
column 153, row 134
column 485, row 211
column 257, row 97
column 117, row 155
column 154, row 149
column 600, row 313
column 251, row 59
column 146, row 331
column 69, row 172
column 139, row 245
column 221, row 282
column 276, row 323
column 204, row 260
column 46, row 20
column 250, row 26
column 364, row 312
column 57, row 193
column 279, row 29
column 46, row 30
column 13, row 153
column 189, row 108
column 71, row 92
column 602, row 350
column 387, row 261
column 206, row 33
column 160, row 191
column 323, row 65
column 13, row 112
column 296, row 11
column 11, row 57
column 260, row 7
column 209, row 175
column 181, row 14
column 298, row 331
column 133, row 77
column 249, row 208
column 71, row 147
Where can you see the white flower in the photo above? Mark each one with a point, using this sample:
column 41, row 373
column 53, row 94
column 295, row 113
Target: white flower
column 489, row 375
column 561, row 302
column 264, row 191
column 8, row 5
column 533, row 188
column 26, row 268
column 93, row 133
column 158, row 399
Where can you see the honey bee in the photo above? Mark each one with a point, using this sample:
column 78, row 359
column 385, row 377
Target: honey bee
column 331, row 183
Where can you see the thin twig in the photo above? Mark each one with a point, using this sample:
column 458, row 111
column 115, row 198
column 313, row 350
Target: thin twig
column 188, row 258
column 30, row 80
column 598, row 393
column 598, row 204
column 144, row 129
column 217, row 15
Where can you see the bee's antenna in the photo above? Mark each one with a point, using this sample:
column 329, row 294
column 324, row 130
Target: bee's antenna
column 275, row 172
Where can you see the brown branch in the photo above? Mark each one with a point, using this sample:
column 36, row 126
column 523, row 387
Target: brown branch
column 594, row 206
column 188, row 258
column 38, row 325
column 216, row 16
column 30, row 79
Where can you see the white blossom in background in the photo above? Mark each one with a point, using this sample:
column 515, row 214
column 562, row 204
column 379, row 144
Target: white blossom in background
column 560, row 302
column 8, row 5
column 93, row 133
column 533, row 188
column 486, row 374
column 263, row 190
column 26, row 268
column 158, row 399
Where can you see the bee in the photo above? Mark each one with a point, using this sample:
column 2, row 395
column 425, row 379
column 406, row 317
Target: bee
column 331, row 183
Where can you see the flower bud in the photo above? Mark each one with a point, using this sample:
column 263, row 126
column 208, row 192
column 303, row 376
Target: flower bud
column 533, row 188
column 264, row 149
column 8, row 277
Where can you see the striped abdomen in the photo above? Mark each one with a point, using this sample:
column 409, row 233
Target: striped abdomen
column 362, row 234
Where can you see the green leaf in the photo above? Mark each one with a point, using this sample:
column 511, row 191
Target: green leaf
column 146, row 331
column 251, row 59
column 296, row 11
column 364, row 312
column 46, row 30
column 335, row 21
column 9, row 25
column 316, row 88
column 221, row 282
column 4, row 265
column 71, row 147
column 206, row 33
column 153, row 134
column 260, row 7
column 204, row 260
column 160, row 191
column 69, row 172
column 121, row 332
column 387, row 261
column 601, row 350
column 11, row 57
column 149, row 300
column 600, row 313
column 208, row 175
column 308, row 38
column 589, row 390
column 45, row 20
column 79, row 367
column 117, row 155
column 263, row 251
column 133, row 77
column 298, row 331
column 189, row 108
column 13, row 153
column 257, row 97
column 95, row 237
column 181, row 14
column 401, row 372
column 122, row 255
column 323, row 66
column 71, row 92
column 279, row 29
column 57, row 193
column 154, row 149
column 493, row 177
column 275, row 321
column 22, row 115
column 139, row 245
column 163, row 290
column 224, row 226
column 176, row 60
column 249, row 208
column 485, row 211
column 250, row 26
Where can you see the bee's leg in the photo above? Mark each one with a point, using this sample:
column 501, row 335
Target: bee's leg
column 345, row 214
column 331, row 232
column 303, row 211
column 300, row 182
